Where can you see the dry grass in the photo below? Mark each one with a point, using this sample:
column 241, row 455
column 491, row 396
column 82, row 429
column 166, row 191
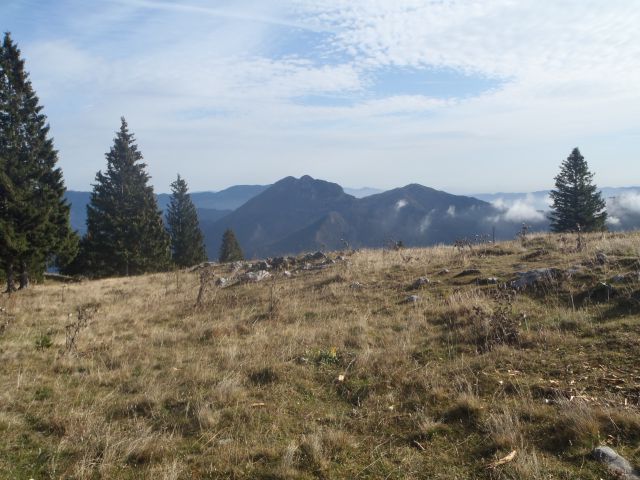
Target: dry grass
column 311, row 377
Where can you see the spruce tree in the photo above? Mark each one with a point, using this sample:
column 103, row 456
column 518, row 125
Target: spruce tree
column 577, row 203
column 187, row 243
column 34, row 216
column 125, row 233
column 230, row 250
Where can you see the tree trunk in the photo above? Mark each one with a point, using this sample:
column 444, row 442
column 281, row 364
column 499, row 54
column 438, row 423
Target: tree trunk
column 11, row 286
column 24, row 276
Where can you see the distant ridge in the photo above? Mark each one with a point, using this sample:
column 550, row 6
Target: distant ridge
column 295, row 215
column 302, row 214
column 211, row 205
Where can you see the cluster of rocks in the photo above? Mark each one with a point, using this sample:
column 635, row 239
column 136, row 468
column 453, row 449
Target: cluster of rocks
column 545, row 277
column 254, row 276
column 310, row 261
column 540, row 277
column 260, row 270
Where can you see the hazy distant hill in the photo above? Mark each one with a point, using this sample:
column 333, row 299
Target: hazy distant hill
column 287, row 206
column 419, row 215
column 306, row 214
column 211, row 205
column 227, row 199
column 78, row 214
column 362, row 192
column 294, row 215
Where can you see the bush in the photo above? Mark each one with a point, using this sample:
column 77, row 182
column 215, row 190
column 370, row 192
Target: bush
column 43, row 341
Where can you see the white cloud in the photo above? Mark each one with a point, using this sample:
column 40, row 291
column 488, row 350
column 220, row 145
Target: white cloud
column 520, row 210
column 209, row 86
column 451, row 211
column 627, row 202
column 624, row 210
column 493, row 37
column 401, row 204
column 613, row 221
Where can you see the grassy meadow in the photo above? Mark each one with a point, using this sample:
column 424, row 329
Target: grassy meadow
column 331, row 374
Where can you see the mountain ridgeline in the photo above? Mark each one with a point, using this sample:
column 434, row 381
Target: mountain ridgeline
column 211, row 206
column 303, row 214
column 295, row 215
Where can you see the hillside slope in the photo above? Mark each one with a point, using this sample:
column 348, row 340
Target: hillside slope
column 332, row 371
column 306, row 214
column 288, row 206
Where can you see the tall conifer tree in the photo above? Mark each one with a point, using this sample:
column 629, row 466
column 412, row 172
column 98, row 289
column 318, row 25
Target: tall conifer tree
column 125, row 233
column 577, row 203
column 230, row 250
column 187, row 243
column 34, row 217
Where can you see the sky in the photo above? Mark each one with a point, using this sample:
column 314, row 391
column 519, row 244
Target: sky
column 461, row 95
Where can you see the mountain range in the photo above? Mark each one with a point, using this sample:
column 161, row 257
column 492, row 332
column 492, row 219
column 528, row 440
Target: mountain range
column 304, row 214
column 298, row 214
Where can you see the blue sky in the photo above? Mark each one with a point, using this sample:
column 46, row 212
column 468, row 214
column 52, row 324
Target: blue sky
column 460, row 95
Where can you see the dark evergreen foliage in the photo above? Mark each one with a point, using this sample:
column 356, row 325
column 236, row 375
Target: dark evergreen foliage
column 230, row 250
column 125, row 233
column 187, row 242
column 577, row 203
column 34, row 217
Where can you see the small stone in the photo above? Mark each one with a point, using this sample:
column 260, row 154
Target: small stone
column 601, row 258
column 411, row 299
column 443, row 271
column 254, row 277
column 602, row 293
column 310, row 257
column 575, row 270
column 221, row 281
column 487, row 281
column 420, row 282
column 616, row 464
column 626, row 278
column 619, row 278
column 287, row 273
column 261, row 265
column 236, row 266
column 279, row 262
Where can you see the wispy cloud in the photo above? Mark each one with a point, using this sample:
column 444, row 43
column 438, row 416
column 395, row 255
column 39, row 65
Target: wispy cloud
column 230, row 13
column 235, row 82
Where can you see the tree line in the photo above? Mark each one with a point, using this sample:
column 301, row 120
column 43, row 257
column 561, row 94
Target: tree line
column 126, row 233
